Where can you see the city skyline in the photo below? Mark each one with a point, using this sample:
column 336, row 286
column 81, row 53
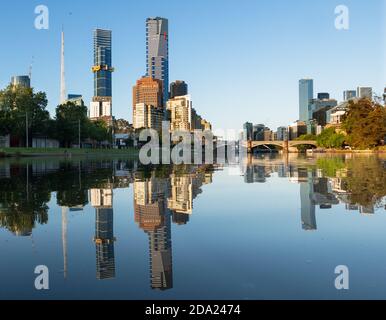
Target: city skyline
column 203, row 68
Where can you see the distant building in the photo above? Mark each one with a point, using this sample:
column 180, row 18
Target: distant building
column 306, row 94
column 349, row 94
column 178, row 89
column 384, row 96
column 76, row 99
column 258, row 132
column 365, row 92
column 147, row 117
column 148, row 91
column 268, row 134
column 323, row 96
column 297, row 129
column 101, row 105
column 180, row 109
column 21, row 81
column 319, row 108
column 248, row 131
column 282, row 134
column 157, row 52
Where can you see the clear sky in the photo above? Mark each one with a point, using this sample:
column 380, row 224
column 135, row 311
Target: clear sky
column 242, row 59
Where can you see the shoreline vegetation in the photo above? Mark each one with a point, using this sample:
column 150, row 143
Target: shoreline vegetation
column 64, row 152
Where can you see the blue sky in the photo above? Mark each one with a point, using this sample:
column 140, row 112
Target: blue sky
column 242, row 59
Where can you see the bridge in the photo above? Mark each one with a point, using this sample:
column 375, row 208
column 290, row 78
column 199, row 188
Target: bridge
column 284, row 145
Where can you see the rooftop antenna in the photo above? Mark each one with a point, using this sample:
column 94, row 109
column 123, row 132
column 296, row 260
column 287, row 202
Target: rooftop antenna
column 30, row 68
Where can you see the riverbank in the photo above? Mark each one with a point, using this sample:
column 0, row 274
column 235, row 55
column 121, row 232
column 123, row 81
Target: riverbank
column 62, row 152
column 340, row 151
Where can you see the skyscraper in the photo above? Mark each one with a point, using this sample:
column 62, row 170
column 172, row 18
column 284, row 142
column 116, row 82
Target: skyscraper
column 157, row 52
column 101, row 106
column 178, row 89
column 306, row 94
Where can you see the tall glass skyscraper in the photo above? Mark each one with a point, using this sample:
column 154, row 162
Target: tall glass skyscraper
column 306, row 94
column 157, row 52
column 102, row 63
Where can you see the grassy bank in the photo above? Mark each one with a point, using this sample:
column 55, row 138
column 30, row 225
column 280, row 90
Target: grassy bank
column 61, row 152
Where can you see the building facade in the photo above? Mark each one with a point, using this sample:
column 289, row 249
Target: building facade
column 180, row 109
column 365, row 92
column 306, row 94
column 349, row 94
column 178, row 89
column 157, row 52
column 147, row 117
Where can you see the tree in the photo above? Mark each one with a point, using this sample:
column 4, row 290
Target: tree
column 98, row 131
column 20, row 106
column 365, row 124
column 68, row 118
column 329, row 138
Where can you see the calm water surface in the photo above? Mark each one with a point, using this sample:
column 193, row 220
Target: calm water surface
column 270, row 228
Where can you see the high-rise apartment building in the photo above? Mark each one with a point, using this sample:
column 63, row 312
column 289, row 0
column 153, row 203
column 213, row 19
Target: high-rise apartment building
column 306, row 94
column 101, row 105
column 180, row 109
column 148, row 91
column 148, row 111
column 178, row 89
column 146, row 116
column 157, row 52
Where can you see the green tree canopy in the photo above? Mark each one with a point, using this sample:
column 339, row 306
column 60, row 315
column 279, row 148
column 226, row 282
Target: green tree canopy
column 365, row 124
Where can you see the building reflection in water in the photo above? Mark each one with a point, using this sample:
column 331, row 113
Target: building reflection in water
column 157, row 203
column 102, row 201
column 315, row 188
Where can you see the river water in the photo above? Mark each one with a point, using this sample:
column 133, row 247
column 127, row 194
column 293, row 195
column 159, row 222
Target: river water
column 271, row 227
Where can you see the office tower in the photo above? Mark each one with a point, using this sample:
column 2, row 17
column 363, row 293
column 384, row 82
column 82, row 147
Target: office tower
column 148, row 111
column 21, row 81
column 102, row 201
column 365, row 92
column 147, row 117
column 319, row 108
column 148, row 91
column 323, row 96
column 62, row 74
column 349, row 94
column 248, row 131
column 306, row 94
column 178, row 89
column 101, row 105
column 157, row 52
column 180, row 109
